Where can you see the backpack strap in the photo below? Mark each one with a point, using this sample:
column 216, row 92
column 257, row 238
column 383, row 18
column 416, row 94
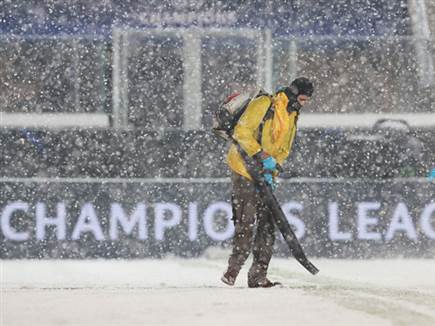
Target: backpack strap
column 267, row 116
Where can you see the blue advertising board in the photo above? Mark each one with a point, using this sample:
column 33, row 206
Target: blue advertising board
column 135, row 219
column 298, row 18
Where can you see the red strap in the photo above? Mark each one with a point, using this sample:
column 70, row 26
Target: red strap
column 229, row 98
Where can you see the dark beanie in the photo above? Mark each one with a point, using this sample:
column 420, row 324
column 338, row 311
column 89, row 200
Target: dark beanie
column 302, row 86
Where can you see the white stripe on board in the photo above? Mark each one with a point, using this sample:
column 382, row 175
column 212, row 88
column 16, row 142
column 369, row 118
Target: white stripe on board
column 200, row 180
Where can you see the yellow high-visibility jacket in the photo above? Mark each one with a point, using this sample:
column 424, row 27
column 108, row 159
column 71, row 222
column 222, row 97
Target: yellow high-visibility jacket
column 246, row 133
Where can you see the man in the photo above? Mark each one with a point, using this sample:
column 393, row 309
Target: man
column 265, row 132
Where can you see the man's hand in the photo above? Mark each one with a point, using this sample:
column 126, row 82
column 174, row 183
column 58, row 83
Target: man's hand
column 269, row 164
column 270, row 180
column 269, row 169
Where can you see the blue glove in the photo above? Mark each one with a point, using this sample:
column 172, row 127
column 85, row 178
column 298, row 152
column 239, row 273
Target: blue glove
column 268, row 178
column 269, row 164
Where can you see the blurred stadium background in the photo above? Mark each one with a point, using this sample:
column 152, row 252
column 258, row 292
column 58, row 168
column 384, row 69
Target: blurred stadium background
column 109, row 85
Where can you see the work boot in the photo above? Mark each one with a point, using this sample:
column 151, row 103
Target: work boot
column 228, row 278
column 263, row 283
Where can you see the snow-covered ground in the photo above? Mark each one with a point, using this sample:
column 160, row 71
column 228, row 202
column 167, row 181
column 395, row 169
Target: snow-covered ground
column 176, row 291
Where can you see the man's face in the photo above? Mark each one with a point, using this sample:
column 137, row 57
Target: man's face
column 303, row 99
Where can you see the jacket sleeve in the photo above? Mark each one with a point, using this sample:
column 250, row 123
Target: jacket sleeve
column 246, row 129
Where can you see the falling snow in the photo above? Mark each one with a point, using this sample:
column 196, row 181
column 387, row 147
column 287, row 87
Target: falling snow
column 106, row 113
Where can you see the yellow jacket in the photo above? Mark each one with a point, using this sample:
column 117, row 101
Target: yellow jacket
column 246, row 132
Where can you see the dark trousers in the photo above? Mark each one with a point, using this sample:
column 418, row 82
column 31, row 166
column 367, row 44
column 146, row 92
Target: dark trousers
column 249, row 210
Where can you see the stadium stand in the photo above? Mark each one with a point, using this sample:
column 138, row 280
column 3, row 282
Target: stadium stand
column 58, row 58
column 332, row 153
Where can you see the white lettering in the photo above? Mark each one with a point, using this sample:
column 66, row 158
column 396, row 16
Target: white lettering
column 42, row 220
column 88, row 222
column 7, row 229
column 334, row 233
column 138, row 217
column 401, row 221
column 155, row 19
column 193, row 221
column 426, row 223
column 293, row 219
column 162, row 223
column 364, row 220
column 209, row 221
column 191, row 17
